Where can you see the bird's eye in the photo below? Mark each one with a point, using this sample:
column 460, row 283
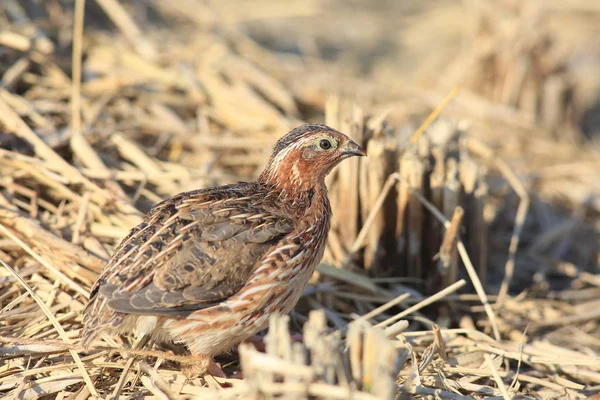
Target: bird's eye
column 325, row 144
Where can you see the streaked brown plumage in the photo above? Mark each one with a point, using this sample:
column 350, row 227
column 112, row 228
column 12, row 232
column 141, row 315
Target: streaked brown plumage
column 208, row 267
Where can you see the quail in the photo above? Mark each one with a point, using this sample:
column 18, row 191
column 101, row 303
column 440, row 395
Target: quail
column 207, row 268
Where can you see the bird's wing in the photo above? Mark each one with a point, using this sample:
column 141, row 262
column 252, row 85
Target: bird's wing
column 191, row 252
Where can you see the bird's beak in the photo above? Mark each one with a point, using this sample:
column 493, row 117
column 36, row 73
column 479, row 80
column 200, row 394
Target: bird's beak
column 352, row 149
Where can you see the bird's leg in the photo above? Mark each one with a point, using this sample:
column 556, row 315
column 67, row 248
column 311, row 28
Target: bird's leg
column 202, row 365
column 215, row 369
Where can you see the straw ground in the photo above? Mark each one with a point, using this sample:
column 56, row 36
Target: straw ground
column 463, row 258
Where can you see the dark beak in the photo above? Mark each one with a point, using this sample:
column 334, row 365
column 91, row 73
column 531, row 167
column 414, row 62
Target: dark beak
column 352, row 149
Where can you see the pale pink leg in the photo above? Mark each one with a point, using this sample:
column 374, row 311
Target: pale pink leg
column 202, row 365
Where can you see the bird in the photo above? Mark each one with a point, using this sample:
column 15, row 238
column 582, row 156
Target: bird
column 208, row 267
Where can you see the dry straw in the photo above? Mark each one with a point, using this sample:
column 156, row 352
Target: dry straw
column 425, row 229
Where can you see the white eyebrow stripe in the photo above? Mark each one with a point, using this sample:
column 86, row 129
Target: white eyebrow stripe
column 285, row 151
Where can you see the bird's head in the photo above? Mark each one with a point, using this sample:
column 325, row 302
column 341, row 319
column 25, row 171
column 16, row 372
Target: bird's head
column 304, row 156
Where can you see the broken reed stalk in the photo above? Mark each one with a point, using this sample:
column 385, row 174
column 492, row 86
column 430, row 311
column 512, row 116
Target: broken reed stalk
column 416, row 233
column 439, row 342
column 438, row 168
column 463, row 253
column 411, row 235
column 448, row 250
column 360, row 238
column 370, row 356
column 469, row 267
column 373, row 172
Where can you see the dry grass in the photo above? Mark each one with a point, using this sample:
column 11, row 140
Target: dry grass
column 463, row 258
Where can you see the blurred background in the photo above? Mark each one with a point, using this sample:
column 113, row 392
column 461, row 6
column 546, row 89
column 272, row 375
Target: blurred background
column 107, row 107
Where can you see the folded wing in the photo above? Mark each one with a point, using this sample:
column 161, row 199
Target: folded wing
column 200, row 253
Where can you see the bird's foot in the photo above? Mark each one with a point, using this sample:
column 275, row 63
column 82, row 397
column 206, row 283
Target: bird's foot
column 215, row 369
column 202, row 366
